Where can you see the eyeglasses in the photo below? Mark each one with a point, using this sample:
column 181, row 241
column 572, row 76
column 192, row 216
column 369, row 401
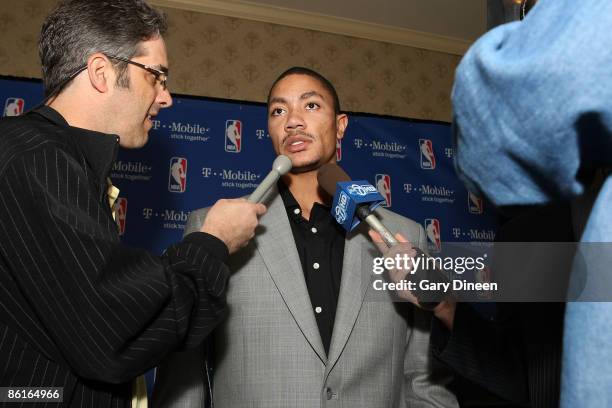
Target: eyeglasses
column 161, row 76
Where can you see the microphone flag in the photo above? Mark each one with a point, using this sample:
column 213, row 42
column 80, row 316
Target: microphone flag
column 349, row 196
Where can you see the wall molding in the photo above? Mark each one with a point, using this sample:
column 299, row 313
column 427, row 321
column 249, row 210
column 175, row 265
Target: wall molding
column 321, row 22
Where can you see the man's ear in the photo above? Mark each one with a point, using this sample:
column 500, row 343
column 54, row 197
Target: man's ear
column 341, row 124
column 100, row 71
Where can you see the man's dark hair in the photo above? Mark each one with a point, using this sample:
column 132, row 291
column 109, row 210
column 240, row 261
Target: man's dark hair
column 75, row 29
column 307, row 71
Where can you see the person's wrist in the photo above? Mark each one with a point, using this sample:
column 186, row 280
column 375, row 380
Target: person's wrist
column 429, row 306
column 445, row 312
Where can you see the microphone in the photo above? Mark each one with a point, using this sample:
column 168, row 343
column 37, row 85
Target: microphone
column 354, row 201
column 281, row 166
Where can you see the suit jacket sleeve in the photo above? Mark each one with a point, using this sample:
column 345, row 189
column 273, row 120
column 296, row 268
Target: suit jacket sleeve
column 112, row 311
column 181, row 378
column 486, row 353
column 425, row 379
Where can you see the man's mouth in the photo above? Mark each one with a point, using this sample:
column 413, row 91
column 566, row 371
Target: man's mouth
column 296, row 143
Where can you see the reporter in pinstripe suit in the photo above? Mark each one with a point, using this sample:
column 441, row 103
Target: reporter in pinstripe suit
column 78, row 309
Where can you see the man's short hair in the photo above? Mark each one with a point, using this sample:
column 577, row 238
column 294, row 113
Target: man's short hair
column 307, row 71
column 76, row 29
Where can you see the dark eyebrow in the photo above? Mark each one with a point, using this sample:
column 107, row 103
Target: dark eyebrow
column 160, row 67
column 307, row 95
column 277, row 99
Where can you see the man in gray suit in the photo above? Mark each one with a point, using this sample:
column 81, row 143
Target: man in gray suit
column 300, row 332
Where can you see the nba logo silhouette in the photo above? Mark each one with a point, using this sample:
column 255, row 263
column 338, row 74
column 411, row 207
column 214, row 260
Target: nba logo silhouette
column 383, row 185
column 432, row 230
column 121, row 213
column 177, row 179
column 233, row 136
column 13, row 107
column 338, row 150
column 475, row 205
column 428, row 159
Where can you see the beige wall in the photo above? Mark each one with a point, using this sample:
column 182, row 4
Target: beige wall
column 238, row 59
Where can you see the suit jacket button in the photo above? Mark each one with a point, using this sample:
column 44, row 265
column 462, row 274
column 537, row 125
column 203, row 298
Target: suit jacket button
column 329, row 393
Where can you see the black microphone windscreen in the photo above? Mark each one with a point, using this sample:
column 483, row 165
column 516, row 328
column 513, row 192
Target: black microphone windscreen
column 329, row 174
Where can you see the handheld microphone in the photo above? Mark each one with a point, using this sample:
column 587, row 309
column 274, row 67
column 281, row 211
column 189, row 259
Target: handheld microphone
column 354, row 201
column 280, row 166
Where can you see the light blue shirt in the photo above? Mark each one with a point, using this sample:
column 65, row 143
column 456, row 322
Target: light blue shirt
column 532, row 107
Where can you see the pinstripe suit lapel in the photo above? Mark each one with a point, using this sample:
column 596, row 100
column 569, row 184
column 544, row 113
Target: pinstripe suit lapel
column 277, row 248
column 352, row 293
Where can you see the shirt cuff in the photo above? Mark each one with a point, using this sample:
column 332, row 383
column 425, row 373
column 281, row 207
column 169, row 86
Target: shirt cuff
column 212, row 244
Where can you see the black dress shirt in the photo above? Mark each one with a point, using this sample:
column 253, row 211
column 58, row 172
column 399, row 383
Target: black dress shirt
column 320, row 244
column 78, row 309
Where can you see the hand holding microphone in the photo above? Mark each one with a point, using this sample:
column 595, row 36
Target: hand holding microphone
column 234, row 221
column 441, row 304
column 355, row 201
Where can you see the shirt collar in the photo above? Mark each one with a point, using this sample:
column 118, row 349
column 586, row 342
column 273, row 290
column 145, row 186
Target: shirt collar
column 100, row 149
column 288, row 200
column 291, row 205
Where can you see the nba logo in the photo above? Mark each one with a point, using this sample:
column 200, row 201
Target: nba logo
column 13, row 107
column 383, row 185
column 428, row 159
column 432, row 230
column 475, row 205
column 338, row 150
column 233, row 136
column 121, row 213
column 177, row 180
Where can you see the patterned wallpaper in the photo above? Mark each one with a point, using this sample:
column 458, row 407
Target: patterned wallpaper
column 238, row 59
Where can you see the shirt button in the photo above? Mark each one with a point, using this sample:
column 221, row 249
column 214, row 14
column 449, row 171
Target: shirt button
column 318, row 309
column 314, row 230
column 296, row 211
column 315, row 265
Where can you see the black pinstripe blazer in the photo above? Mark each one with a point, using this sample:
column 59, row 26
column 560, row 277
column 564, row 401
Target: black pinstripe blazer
column 78, row 309
column 517, row 355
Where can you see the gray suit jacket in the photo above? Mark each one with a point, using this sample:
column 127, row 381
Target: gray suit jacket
column 269, row 353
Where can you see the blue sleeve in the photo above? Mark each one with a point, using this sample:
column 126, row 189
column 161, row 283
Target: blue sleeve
column 532, row 104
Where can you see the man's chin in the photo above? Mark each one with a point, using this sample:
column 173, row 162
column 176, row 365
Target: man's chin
column 135, row 142
column 305, row 167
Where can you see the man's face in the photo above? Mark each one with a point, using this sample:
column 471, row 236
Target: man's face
column 135, row 107
column 302, row 122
